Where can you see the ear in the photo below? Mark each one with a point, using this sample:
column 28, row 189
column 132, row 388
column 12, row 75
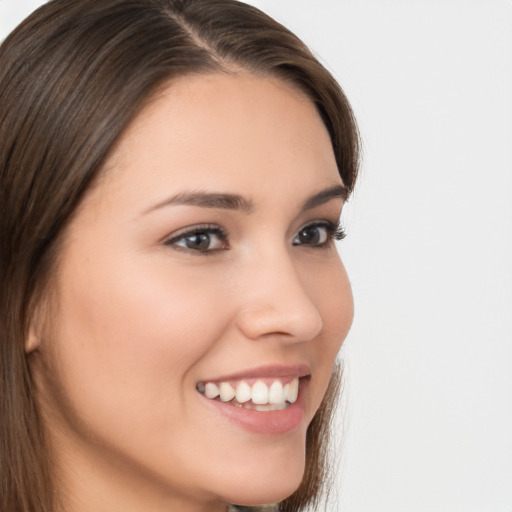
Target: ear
column 35, row 331
column 33, row 339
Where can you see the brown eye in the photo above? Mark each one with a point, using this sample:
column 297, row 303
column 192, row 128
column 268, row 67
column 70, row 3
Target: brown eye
column 200, row 240
column 314, row 234
column 319, row 234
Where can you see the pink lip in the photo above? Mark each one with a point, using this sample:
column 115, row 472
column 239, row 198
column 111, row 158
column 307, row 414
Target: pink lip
column 262, row 372
column 265, row 422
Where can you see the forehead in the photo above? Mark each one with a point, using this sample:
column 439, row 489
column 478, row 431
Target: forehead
column 228, row 130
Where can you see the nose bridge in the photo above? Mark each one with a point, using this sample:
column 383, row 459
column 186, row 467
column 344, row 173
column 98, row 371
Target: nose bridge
column 276, row 300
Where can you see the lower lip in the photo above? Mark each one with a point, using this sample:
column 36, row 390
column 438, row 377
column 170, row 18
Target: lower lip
column 263, row 422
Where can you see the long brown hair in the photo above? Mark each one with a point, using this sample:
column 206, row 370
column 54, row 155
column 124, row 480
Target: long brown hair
column 72, row 76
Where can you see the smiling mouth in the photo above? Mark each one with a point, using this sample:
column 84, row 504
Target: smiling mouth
column 270, row 394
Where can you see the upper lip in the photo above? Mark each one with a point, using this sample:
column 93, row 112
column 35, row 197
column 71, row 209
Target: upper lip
column 268, row 371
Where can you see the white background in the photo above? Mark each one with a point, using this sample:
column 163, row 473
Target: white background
column 429, row 249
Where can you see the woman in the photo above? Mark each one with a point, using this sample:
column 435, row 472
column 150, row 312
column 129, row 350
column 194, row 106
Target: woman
column 172, row 175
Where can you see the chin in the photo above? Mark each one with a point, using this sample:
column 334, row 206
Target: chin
column 269, row 484
column 255, row 496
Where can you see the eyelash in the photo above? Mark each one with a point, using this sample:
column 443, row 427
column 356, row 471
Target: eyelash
column 201, row 229
column 334, row 232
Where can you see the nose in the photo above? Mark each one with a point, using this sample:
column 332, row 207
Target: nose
column 277, row 303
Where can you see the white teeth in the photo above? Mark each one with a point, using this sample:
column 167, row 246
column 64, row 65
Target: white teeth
column 276, row 393
column 259, row 393
column 260, row 396
column 293, row 391
column 227, row 392
column 211, row 390
column 243, row 392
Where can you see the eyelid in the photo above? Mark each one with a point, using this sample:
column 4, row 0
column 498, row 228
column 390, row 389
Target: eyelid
column 333, row 225
column 193, row 228
column 335, row 232
column 211, row 229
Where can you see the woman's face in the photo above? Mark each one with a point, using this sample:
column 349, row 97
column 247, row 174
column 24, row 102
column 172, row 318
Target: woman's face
column 202, row 261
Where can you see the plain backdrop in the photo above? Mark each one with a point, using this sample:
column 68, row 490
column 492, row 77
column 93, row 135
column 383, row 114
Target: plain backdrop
column 429, row 248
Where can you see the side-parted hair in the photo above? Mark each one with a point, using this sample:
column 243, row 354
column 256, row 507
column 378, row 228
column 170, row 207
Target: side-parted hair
column 72, row 76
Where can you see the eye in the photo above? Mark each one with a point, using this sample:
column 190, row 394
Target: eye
column 200, row 239
column 319, row 234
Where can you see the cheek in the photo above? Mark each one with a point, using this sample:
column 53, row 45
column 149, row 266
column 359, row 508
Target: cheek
column 333, row 296
column 338, row 306
column 126, row 336
column 330, row 290
column 137, row 309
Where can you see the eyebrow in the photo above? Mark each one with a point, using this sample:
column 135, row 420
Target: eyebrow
column 324, row 196
column 239, row 203
column 207, row 200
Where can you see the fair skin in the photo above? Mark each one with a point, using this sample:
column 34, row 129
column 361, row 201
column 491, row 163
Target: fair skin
column 145, row 316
